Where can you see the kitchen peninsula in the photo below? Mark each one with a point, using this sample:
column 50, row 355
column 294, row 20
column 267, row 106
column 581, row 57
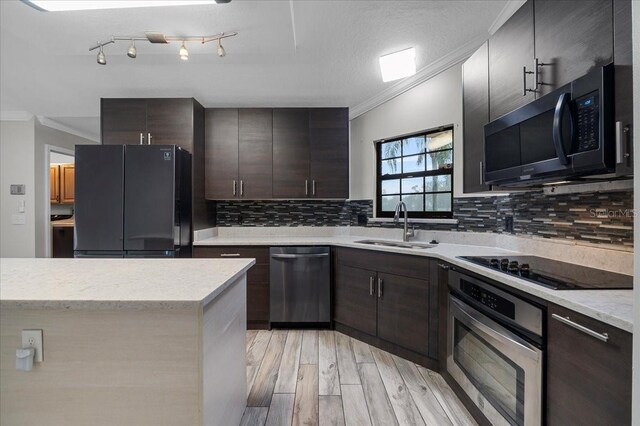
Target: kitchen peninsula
column 147, row 341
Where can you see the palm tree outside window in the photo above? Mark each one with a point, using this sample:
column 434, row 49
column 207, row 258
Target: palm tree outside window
column 416, row 169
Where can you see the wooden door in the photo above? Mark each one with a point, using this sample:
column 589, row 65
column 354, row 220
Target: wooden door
column 67, row 183
column 329, row 152
column 574, row 36
column 510, row 49
column 355, row 299
column 62, row 241
column 170, row 122
column 475, row 99
column 403, row 311
column 588, row 380
column 255, row 153
column 221, row 154
column 54, row 184
column 123, row 121
column 291, row 153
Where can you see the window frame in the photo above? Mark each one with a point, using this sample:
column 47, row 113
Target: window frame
column 437, row 172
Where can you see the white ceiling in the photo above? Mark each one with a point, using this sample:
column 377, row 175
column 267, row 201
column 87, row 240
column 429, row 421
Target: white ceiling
column 46, row 68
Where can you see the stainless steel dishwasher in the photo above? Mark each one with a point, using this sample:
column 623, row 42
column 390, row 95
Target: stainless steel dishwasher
column 300, row 284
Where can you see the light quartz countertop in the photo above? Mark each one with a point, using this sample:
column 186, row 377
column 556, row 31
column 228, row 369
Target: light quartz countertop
column 67, row 223
column 613, row 307
column 116, row 283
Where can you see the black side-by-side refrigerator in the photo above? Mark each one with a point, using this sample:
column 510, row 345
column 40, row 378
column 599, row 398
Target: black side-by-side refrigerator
column 132, row 201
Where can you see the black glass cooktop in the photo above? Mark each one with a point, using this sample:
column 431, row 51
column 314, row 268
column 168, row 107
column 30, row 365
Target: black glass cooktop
column 553, row 274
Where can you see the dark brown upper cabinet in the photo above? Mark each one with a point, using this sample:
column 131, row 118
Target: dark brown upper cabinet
column 238, row 150
column 511, row 55
column 329, row 152
column 291, row 153
column 572, row 37
column 159, row 121
column 221, row 153
column 255, row 153
column 475, row 78
column 282, row 153
column 123, row 121
column 623, row 59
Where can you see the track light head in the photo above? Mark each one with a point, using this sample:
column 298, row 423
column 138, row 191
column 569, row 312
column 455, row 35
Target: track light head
column 184, row 53
column 132, row 52
column 102, row 60
column 221, row 51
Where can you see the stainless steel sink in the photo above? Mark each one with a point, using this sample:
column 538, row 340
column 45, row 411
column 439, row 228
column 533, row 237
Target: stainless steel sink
column 401, row 244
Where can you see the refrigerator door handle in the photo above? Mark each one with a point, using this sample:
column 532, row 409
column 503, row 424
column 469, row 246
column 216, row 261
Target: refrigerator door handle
column 148, row 138
column 141, row 138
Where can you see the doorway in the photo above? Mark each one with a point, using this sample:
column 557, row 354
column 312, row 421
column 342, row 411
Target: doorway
column 59, row 203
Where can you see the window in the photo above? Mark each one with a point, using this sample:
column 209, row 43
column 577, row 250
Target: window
column 416, row 169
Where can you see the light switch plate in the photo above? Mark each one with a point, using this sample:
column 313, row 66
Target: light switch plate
column 33, row 338
column 18, row 219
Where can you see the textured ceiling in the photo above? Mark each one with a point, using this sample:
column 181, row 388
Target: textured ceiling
column 46, row 67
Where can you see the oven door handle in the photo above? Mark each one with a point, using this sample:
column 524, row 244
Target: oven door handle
column 476, row 320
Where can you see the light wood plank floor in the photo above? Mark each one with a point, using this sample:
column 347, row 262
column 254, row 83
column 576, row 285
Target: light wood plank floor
column 327, row 378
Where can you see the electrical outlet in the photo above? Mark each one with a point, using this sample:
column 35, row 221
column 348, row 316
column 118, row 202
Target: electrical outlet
column 33, row 338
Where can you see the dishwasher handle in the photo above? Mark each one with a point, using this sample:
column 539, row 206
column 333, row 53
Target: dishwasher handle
column 298, row 256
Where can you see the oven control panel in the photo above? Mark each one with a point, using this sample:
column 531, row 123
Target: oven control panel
column 489, row 299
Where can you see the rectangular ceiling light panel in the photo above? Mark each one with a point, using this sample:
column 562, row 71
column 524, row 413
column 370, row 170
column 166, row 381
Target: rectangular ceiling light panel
column 395, row 66
column 61, row 5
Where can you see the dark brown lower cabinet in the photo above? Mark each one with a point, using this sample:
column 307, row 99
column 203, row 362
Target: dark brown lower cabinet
column 355, row 299
column 588, row 380
column 370, row 297
column 62, row 241
column 403, row 311
column 257, row 279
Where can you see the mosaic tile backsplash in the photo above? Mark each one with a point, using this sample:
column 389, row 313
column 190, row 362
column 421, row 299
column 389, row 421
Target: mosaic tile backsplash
column 594, row 217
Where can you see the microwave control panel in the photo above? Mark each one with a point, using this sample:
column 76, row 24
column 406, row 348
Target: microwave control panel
column 588, row 119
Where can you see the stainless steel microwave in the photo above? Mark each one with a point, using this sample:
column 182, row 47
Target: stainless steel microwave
column 568, row 133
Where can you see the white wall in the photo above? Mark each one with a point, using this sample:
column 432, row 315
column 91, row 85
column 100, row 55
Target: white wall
column 17, row 149
column 636, row 225
column 435, row 102
column 47, row 136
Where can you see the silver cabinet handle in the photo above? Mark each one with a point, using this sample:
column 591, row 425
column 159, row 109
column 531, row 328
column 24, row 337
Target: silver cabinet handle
column 241, row 188
column 230, row 255
column 141, row 138
column 380, row 283
column 235, row 187
column 371, row 286
column 313, row 187
column 566, row 320
column 443, row 266
column 481, row 173
column 148, row 138
column 525, row 90
column 306, row 187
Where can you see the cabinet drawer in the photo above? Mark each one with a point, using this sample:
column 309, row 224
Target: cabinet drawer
column 260, row 254
column 397, row 264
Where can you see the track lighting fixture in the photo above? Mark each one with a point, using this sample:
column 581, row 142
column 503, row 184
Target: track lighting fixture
column 132, row 51
column 159, row 38
column 102, row 60
column 184, row 53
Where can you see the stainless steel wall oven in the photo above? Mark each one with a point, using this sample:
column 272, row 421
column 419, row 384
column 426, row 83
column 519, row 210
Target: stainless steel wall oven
column 495, row 350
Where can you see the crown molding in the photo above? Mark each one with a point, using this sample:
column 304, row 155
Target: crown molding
column 15, row 116
column 445, row 62
column 509, row 9
column 45, row 121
